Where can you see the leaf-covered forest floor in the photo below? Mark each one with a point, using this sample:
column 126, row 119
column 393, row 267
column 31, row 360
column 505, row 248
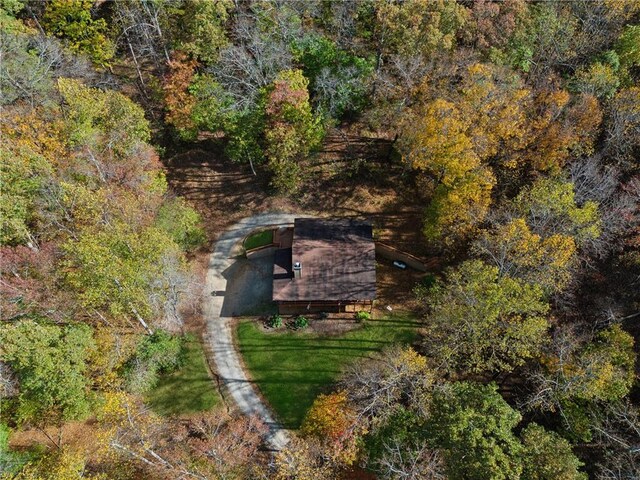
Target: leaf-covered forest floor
column 351, row 176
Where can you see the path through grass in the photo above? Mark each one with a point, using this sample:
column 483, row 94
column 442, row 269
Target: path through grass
column 189, row 389
column 292, row 368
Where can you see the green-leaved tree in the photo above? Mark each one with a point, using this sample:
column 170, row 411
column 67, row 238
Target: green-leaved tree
column 50, row 362
column 480, row 321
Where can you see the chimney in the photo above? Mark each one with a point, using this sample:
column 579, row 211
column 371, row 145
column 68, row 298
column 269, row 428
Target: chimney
column 297, row 270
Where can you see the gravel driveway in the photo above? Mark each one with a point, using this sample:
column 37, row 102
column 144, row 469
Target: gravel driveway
column 230, row 289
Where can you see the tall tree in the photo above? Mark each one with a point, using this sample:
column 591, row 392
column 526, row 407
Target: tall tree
column 23, row 174
column 548, row 456
column 417, row 27
column 519, row 253
column 436, row 141
column 480, row 321
column 473, row 425
column 617, row 432
column 580, row 371
column 398, row 374
column 105, row 119
column 590, row 367
column 291, row 131
column 333, row 422
column 179, row 102
column 623, row 127
column 50, row 362
column 550, row 208
column 454, row 212
column 72, row 20
column 64, row 464
column 116, row 269
column 202, row 33
column 399, row 447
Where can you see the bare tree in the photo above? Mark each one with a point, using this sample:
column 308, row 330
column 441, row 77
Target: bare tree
column 8, row 381
column 29, row 64
column 143, row 27
column 623, row 128
column 172, row 291
column 229, row 443
column 397, row 374
column 551, row 388
column 617, row 432
column 136, row 433
column 303, row 459
column 618, row 204
column 342, row 22
column 600, row 24
column 586, row 365
column 338, row 90
column 255, row 58
column 401, row 463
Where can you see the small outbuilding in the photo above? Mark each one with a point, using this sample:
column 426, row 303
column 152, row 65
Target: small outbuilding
column 330, row 267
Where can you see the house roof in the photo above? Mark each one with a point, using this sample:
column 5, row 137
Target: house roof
column 337, row 258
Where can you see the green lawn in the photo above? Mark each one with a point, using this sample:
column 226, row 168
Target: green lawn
column 292, row 368
column 187, row 390
column 258, row 239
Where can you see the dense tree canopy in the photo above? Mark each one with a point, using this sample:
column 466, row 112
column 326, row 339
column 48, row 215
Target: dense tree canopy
column 495, row 141
column 50, row 362
column 473, row 424
column 290, row 131
column 547, row 456
column 479, row 321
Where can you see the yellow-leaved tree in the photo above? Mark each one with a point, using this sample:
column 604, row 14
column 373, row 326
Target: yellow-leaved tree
column 518, row 252
column 333, row 422
column 436, row 142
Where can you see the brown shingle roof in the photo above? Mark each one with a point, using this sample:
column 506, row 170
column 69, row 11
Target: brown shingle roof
column 338, row 262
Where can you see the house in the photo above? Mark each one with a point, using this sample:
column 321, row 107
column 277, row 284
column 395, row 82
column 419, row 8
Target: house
column 329, row 267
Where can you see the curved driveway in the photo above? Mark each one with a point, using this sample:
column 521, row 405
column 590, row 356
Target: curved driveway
column 220, row 336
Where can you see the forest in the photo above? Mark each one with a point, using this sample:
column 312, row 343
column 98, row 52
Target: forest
column 498, row 140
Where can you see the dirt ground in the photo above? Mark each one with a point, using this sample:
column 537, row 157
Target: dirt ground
column 221, row 191
column 77, row 435
column 332, row 324
column 356, row 176
column 350, row 176
column 395, row 286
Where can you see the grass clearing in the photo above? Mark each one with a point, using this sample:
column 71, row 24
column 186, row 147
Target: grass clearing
column 292, row 368
column 258, row 239
column 189, row 389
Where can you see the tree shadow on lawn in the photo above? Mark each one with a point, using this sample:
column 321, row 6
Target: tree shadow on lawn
column 394, row 322
column 248, row 348
column 343, row 348
column 292, row 368
column 298, row 381
column 296, row 370
column 187, row 390
column 169, row 398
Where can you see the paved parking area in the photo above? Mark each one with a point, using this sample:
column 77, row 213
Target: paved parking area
column 249, row 287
